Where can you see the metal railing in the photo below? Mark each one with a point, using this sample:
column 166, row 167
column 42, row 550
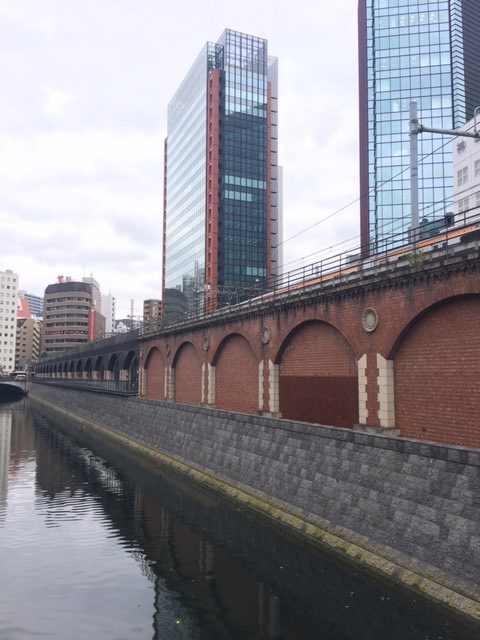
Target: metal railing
column 432, row 239
column 406, row 249
column 113, row 387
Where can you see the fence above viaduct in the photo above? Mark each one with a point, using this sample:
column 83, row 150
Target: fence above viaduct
column 114, row 362
column 396, row 352
column 395, row 349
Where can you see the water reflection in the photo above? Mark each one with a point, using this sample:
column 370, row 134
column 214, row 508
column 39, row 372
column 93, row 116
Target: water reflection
column 117, row 550
column 5, row 439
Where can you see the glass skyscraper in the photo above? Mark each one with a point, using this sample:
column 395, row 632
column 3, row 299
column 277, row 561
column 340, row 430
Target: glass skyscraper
column 222, row 194
column 426, row 51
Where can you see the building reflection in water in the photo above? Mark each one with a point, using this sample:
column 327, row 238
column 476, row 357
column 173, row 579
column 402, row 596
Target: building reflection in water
column 5, row 440
column 191, row 578
column 218, row 573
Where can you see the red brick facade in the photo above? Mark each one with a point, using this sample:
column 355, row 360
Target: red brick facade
column 437, row 374
column 234, row 392
column 187, row 375
column 418, row 371
column 155, row 375
column 318, row 376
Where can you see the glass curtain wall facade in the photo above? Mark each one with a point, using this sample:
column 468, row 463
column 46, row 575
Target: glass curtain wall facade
column 222, row 193
column 412, row 50
column 185, row 167
column 243, row 149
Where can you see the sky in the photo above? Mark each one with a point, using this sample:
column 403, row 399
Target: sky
column 84, row 89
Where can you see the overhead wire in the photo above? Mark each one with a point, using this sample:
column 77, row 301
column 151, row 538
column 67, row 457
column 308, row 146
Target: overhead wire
column 372, row 190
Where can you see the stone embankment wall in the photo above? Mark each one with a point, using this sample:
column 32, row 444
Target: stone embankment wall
column 414, row 506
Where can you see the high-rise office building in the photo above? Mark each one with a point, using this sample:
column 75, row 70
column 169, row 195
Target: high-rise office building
column 8, row 319
column 426, row 51
column 221, row 230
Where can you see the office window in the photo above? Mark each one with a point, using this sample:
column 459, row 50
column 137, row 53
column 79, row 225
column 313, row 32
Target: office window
column 462, row 176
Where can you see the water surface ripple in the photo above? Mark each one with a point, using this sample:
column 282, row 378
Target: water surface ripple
column 97, row 544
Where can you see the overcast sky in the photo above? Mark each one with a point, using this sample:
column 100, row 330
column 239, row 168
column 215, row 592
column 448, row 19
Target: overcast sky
column 84, row 88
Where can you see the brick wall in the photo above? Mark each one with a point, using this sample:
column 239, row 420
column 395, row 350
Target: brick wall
column 155, row 375
column 315, row 344
column 236, row 376
column 318, row 377
column 437, row 375
column 187, row 375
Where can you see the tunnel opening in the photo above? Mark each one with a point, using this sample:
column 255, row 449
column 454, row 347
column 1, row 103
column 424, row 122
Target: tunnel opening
column 9, row 392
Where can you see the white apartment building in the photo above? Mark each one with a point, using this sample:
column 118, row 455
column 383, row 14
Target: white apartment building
column 8, row 319
column 466, row 170
column 108, row 310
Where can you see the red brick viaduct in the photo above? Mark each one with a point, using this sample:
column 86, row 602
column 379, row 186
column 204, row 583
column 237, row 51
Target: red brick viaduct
column 401, row 355
column 397, row 351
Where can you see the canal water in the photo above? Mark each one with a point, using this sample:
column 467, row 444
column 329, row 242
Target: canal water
column 95, row 543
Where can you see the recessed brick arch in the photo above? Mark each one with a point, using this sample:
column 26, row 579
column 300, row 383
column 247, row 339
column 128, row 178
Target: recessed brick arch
column 236, row 375
column 99, row 368
column 155, row 375
column 187, row 372
column 437, row 374
column 318, row 376
column 88, row 368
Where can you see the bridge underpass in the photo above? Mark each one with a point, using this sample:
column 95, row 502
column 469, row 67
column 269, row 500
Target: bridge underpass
column 13, row 389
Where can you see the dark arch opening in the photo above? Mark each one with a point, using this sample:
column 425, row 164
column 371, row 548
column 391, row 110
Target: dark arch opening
column 88, row 368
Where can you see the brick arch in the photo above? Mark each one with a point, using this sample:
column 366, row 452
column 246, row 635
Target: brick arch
column 236, row 375
column 318, row 376
column 127, row 359
column 99, row 368
column 88, row 368
column 154, row 375
column 187, row 372
column 436, row 363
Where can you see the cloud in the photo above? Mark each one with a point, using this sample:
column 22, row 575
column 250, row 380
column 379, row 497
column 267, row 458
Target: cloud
column 56, row 102
column 84, row 89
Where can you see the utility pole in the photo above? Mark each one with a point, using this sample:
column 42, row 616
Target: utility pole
column 414, row 166
column 415, row 129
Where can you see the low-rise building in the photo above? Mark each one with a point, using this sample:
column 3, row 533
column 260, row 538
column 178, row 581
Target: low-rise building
column 28, row 341
column 71, row 316
column 466, row 170
column 152, row 309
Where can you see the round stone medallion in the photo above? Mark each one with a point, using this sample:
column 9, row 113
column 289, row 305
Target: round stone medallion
column 265, row 335
column 369, row 320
